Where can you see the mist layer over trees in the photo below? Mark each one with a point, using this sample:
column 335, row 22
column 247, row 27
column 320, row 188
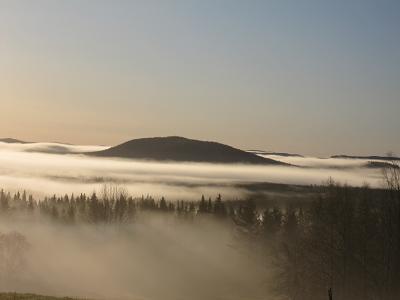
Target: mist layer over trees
column 42, row 171
column 345, row 238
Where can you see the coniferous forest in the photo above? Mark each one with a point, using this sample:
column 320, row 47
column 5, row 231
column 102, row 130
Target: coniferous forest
column 344, row 239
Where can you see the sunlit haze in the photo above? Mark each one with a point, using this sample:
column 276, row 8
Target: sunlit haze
column 199, row 149
column 310, row 77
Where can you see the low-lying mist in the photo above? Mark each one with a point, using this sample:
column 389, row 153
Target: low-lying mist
column 157, row 257
column 112, row 243
column 46, row 168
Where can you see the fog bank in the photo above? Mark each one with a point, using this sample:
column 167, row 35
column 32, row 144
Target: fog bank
column 157, row 257
column 41, row 173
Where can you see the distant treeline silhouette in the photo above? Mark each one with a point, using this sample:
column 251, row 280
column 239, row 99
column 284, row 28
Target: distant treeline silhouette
column 117, row 209
column 18, row 296
column 345, row 238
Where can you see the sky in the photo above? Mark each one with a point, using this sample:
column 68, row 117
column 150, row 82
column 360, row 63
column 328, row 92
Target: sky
column 311, row 77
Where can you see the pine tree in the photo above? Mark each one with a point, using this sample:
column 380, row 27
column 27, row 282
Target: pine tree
column 219, row 207
column 163, row 204
column 202, row 205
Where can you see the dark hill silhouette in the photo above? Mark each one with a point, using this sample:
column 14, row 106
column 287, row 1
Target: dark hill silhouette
column 374, row 157
column 381, row 165
column 12, row 141
column 176, row 148
column 285, row 154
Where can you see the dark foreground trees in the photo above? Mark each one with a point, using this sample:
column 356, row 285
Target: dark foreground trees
column 346, row 239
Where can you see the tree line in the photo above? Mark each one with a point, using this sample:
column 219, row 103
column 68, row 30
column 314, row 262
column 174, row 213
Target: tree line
column 344, row 239
column 120, row 208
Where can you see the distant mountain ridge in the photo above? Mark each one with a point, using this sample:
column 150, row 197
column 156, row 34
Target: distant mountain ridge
column 175, row 148
column 372, row 157
column 285, row 154
column 12, row 141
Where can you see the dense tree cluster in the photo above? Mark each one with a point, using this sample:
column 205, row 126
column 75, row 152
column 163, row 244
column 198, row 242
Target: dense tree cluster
column 346, row 239
column 110, row 207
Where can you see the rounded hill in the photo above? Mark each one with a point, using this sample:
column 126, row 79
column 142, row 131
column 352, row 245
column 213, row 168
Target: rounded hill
column 176, row 148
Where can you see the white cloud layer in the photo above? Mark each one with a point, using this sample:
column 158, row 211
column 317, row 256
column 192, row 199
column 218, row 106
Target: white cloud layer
column 31, row 167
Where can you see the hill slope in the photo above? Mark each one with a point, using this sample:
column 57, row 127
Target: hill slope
column 374, row 157
column 16, row 296
column 12, row 141
column 182, row 149
column 284, row 154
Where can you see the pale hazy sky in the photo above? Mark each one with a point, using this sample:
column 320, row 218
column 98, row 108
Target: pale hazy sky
column 315, row 77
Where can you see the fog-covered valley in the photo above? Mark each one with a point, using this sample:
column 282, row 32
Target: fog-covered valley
column 156, row 257
column 112, row 228
column 53, row 168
